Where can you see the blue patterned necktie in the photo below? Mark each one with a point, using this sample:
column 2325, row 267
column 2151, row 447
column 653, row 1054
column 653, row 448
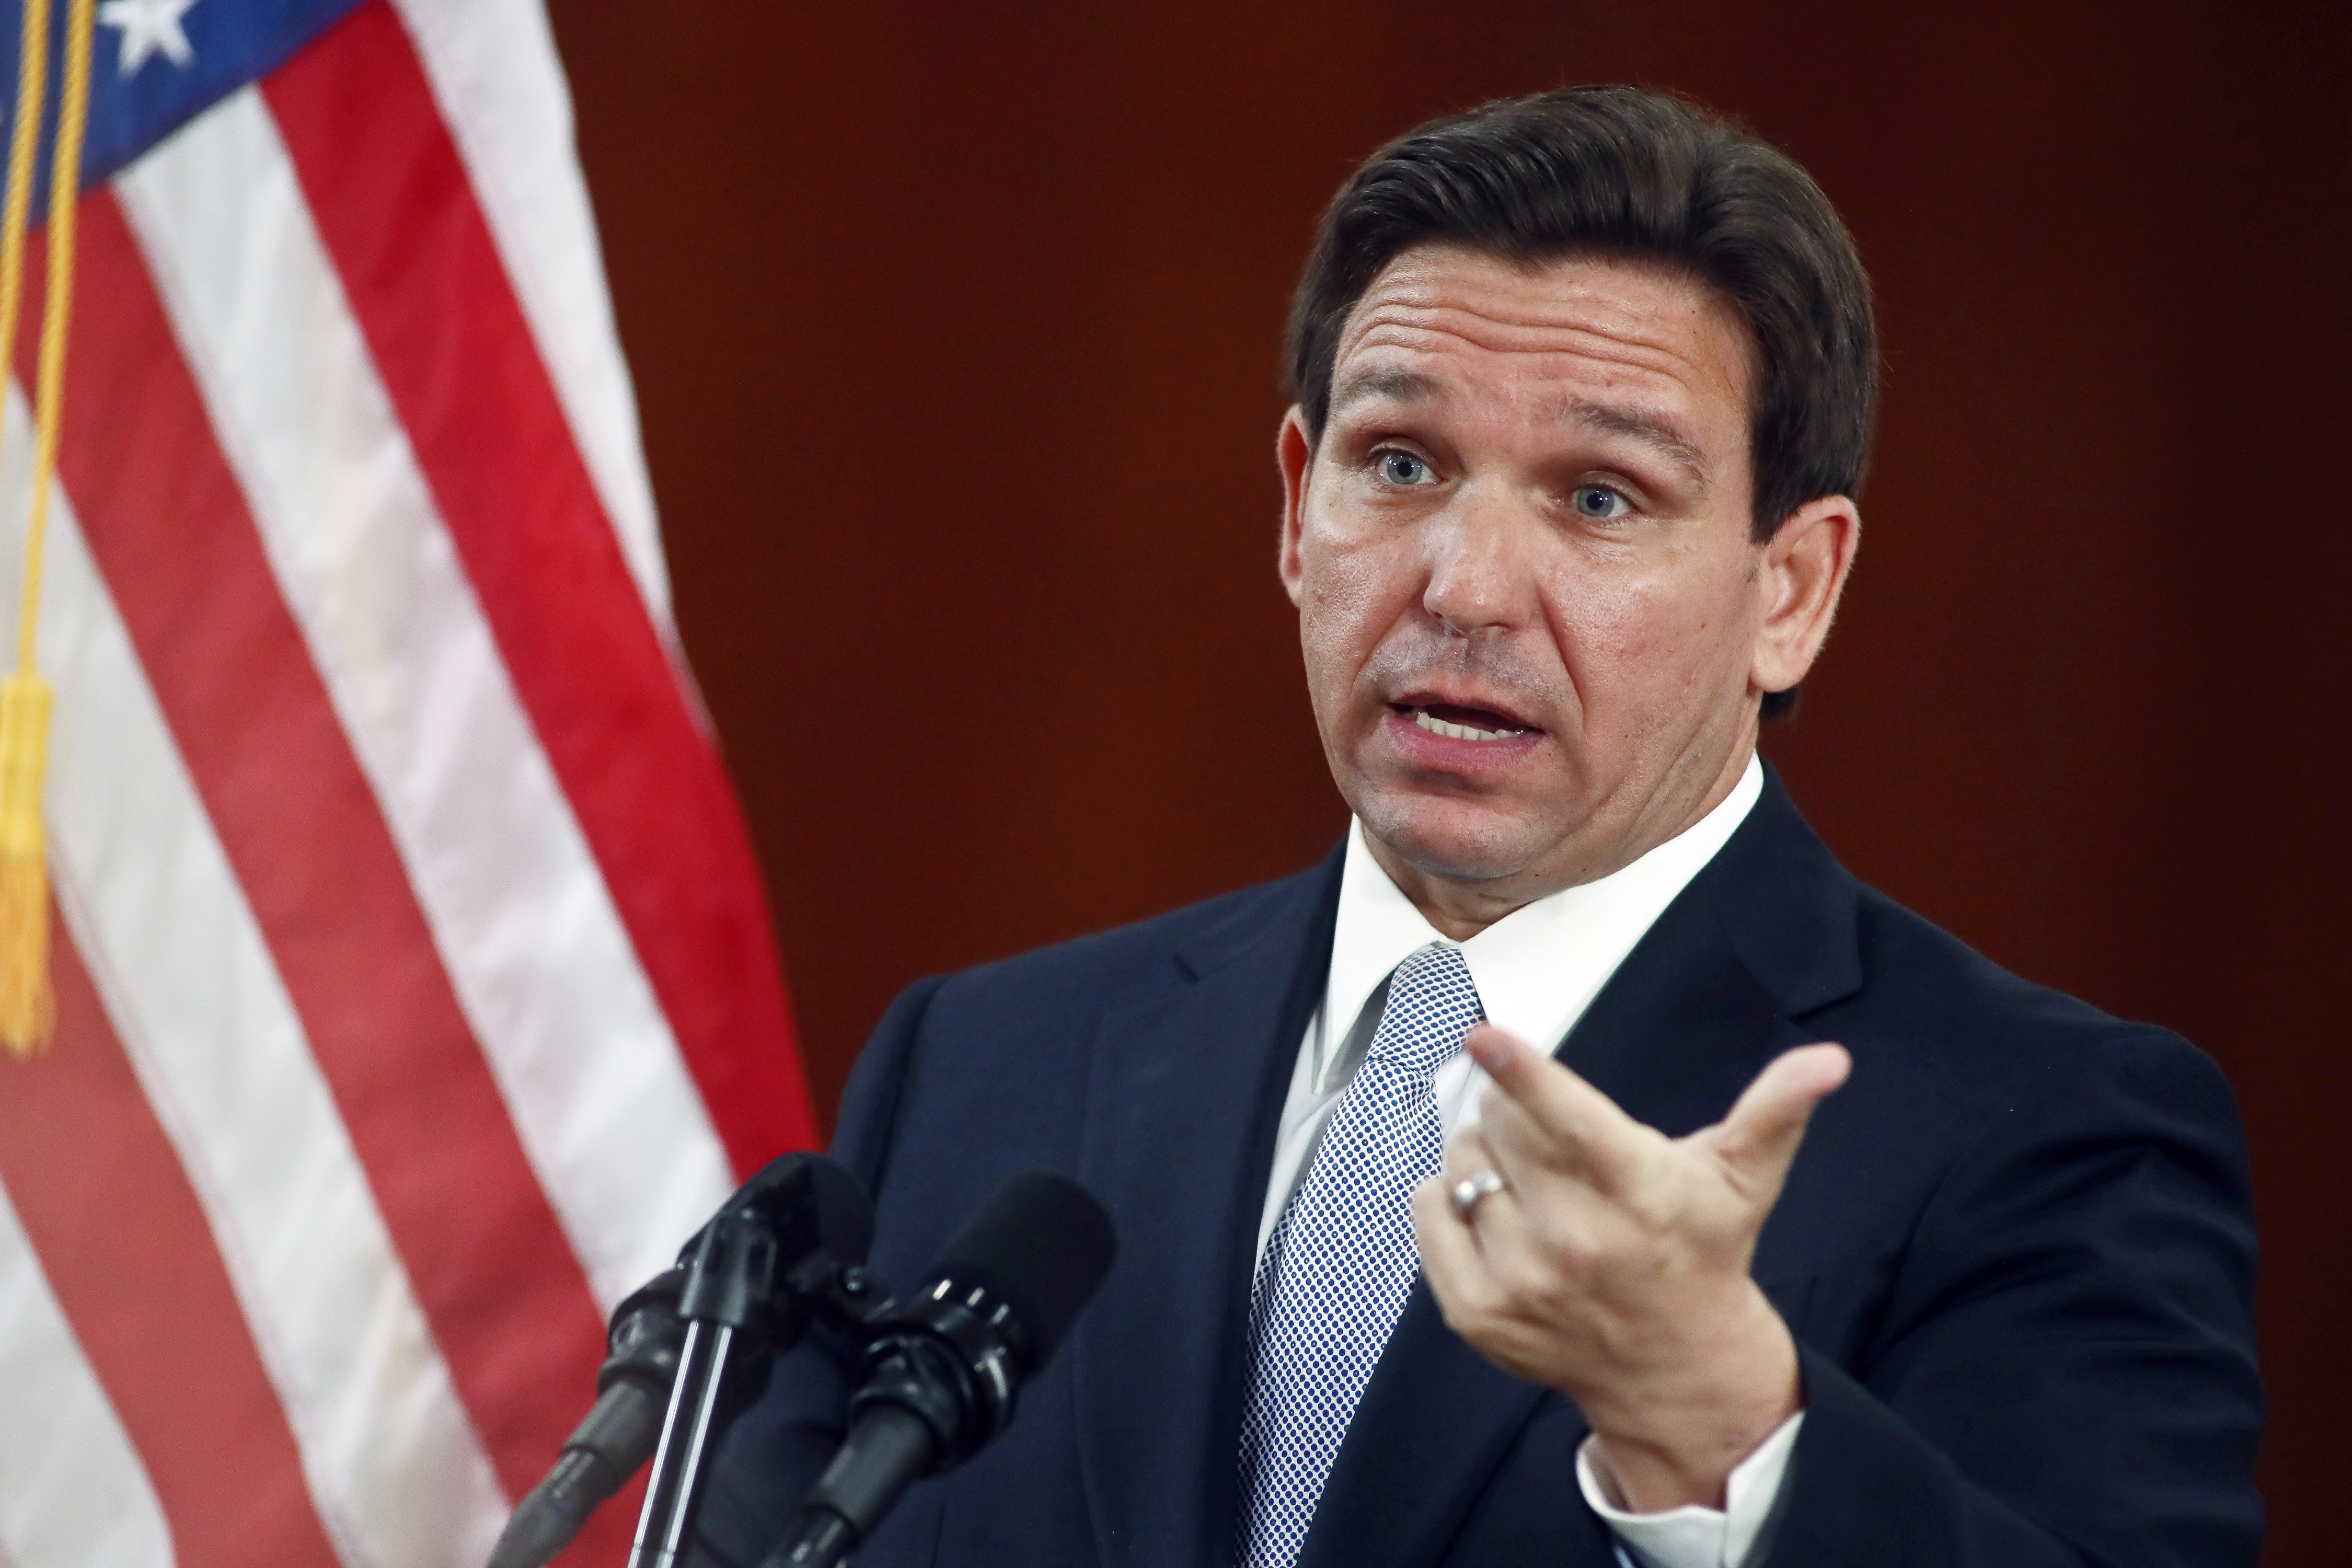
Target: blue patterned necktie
column 1341, row 1260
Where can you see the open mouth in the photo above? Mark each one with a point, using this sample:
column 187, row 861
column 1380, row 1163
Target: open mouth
column 1459, row 723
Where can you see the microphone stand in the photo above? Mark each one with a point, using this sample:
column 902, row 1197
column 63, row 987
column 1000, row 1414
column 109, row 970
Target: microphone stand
column 727, row 1291
column 735, row 1309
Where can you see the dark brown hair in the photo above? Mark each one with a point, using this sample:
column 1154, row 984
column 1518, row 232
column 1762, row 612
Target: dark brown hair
column 1627, row 172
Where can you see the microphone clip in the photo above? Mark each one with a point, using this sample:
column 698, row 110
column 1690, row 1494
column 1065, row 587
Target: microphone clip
column 952, row 1355
column 736, row 1311
column 745, row 1289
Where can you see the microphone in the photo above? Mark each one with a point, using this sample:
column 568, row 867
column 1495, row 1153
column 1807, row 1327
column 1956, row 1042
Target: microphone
column 945, row 1362
column 810, row 1209
column 605, row 1449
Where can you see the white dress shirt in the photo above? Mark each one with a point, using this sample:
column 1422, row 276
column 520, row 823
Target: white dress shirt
column 1537, row 969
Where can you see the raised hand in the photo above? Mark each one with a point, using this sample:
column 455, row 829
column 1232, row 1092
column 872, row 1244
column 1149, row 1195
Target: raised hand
column 1611, row 1263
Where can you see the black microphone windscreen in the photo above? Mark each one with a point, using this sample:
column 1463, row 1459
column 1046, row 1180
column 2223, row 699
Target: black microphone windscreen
column 811, row 1202
column 1042, row 1243
column 844, row 1219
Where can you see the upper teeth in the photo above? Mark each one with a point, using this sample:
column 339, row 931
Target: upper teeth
column 1460, row 732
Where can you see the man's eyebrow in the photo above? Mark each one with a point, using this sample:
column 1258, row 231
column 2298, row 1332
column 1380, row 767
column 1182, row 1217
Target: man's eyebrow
column 1404, row 385
column 1657, row 434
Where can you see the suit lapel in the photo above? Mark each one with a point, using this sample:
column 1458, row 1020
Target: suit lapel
column 1763, row 934
column 1187, row 1089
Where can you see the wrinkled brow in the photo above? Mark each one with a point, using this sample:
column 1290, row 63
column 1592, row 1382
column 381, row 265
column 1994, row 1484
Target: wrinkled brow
column 1659, row 435
column 1404, row 386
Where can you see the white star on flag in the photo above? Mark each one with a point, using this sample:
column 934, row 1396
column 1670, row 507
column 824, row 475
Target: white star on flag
column 148, row 28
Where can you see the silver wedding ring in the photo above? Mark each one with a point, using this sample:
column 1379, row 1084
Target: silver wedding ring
column 1470, row 1189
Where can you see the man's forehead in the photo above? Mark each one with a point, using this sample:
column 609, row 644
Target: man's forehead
column 1581, row 315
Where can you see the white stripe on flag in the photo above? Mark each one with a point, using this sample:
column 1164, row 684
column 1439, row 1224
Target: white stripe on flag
column 397, row 1473
column 494, row 72
column 524, row 923
column 72, row 1492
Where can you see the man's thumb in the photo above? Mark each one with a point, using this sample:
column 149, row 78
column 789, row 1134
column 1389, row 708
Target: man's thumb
column 1761, row 1136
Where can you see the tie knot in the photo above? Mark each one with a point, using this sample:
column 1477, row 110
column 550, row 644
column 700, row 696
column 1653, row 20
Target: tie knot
column 1432, row 1004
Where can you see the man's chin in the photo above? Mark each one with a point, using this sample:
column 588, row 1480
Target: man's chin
column 1457, row 840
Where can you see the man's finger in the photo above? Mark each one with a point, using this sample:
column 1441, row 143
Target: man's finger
column 1449, row 1254
column 1468, row 1150
column 1761, row 1136
column 1583, row 1125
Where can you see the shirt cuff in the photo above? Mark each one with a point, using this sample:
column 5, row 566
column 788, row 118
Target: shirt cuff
column 1692, row 1536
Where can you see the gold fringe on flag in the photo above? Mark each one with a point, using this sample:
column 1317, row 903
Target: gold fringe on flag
column 28, row 1006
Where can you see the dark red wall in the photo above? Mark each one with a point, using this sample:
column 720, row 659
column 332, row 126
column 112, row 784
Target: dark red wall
column 955, row 327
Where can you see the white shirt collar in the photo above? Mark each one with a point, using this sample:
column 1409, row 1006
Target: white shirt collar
column 1536, row 968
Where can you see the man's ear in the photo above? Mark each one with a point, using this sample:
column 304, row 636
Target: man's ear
column 1800, row 575
column 1295, row 453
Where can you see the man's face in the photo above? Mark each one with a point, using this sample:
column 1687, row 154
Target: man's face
column 1535, row 626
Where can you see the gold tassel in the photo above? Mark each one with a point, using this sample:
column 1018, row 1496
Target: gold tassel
column 27, row 1002
column 27, row 1010
column 27, row 1007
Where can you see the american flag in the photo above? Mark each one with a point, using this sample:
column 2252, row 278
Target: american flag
column 415, row 995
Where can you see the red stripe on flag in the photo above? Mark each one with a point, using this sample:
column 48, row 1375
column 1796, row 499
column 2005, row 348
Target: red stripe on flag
column 129, row 1256
column 169, row 528
column 397, row 213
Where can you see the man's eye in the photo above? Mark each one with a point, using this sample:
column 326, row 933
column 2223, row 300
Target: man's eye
column 1405, row 469
column 1599, row 502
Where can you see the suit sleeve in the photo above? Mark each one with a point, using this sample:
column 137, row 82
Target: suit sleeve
column 2064, row 1374
column 792, row 1423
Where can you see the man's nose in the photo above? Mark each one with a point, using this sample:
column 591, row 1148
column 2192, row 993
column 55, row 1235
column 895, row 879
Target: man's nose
column 1480, row 566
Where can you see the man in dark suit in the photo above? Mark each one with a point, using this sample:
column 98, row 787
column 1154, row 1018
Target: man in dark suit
column 1583, row 394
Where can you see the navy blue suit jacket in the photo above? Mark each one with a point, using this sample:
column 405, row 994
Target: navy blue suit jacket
column 2015, row 1251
